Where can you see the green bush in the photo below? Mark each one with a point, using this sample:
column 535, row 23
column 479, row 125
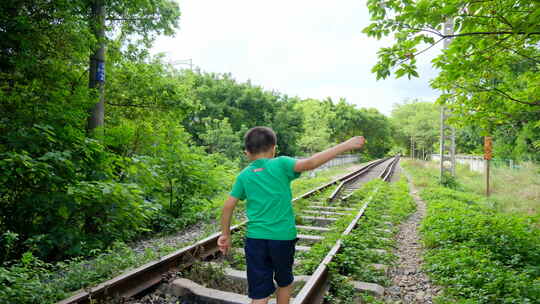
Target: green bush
column 478, row 253
column 454, row 219
column 64, row 196
column 22, row 282
column 477, row 275
column 58, row 189
column 32, row 281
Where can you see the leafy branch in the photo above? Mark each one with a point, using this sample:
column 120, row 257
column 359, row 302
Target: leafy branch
column 479, row 88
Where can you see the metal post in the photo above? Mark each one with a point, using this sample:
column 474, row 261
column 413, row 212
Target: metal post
column 442, row 145
column 487, row 177
column 453, row 151
column 444, row 148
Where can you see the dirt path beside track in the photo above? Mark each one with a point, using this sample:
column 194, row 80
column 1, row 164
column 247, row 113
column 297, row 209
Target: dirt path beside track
column 409, row 283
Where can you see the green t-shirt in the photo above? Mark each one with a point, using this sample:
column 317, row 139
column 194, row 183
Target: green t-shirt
column 266, row 184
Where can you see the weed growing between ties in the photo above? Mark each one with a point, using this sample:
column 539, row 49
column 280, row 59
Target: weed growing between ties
column 234, row 258
column 388, row 206
column 343, row 292
column 478, row 253
column 312, row 259
column 213, row 276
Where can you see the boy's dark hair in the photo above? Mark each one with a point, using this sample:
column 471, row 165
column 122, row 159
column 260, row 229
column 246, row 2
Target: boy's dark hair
column 259, row 139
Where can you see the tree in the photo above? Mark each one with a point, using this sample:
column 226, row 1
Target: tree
column 347, row 121
column 416, row 121
column 288, row 125
column 317, row 116
column 219, row 96
column 220, row 138
column 36, row 59
column 140, row 18
column 379, row 129
column 350, row 121
column 490, row 72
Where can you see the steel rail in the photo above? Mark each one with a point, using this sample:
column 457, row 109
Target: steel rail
column 340, row 179
column 352, row 178
column 148, row 275
column 316, row 287
column 387, row 172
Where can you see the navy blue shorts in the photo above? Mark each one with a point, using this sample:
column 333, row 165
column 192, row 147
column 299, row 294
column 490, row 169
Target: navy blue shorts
column 268, row 260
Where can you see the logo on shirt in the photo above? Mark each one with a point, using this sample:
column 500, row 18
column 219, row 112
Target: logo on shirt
column 258, row 170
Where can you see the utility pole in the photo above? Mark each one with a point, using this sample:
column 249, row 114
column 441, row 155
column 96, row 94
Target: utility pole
column 412, row 147
column 96, row 116
column 448, row 133
column 488, row 148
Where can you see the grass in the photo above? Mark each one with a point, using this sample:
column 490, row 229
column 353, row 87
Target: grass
column 477, row 248
column 512, row 190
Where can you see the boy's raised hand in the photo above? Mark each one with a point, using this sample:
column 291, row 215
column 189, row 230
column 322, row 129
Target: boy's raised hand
column 356, row 142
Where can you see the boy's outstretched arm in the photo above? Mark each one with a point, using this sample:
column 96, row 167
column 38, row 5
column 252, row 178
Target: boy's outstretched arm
column 224, row 240
column 320, row 158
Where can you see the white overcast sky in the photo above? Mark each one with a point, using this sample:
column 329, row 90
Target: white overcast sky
column 305, row 48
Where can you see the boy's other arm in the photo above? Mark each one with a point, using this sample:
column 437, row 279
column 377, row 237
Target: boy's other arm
column 316, row 160
column 224, row 240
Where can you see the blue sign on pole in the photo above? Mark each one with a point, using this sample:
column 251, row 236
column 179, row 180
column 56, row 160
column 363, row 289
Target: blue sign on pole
column 100, row 71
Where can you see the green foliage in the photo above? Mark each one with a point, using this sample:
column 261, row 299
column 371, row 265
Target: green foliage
column 470, row 140
column 22, row 282
column 513, row 190
column 49, row 198
column 473, row 275
column 449, row 181
column 341, row 290
column 178, row 179
column 32, row 281
column 349, row 121
column 220, row 138
column 456, row 218
column 416, row 121
column 219, row 97
column 478, row 253
column 142, row 85
column 489, row 74
column 387, row 203
column 317, row 116
column 302, row 126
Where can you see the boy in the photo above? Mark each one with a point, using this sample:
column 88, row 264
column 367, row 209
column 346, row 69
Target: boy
column 271, row 229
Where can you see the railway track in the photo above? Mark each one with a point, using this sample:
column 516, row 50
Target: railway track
column 319, row 215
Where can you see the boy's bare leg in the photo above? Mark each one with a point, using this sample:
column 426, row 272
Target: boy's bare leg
column 283, row 294
column 260, row 301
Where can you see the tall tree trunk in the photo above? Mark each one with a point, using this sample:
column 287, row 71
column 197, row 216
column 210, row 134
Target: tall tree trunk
column 96, row 116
